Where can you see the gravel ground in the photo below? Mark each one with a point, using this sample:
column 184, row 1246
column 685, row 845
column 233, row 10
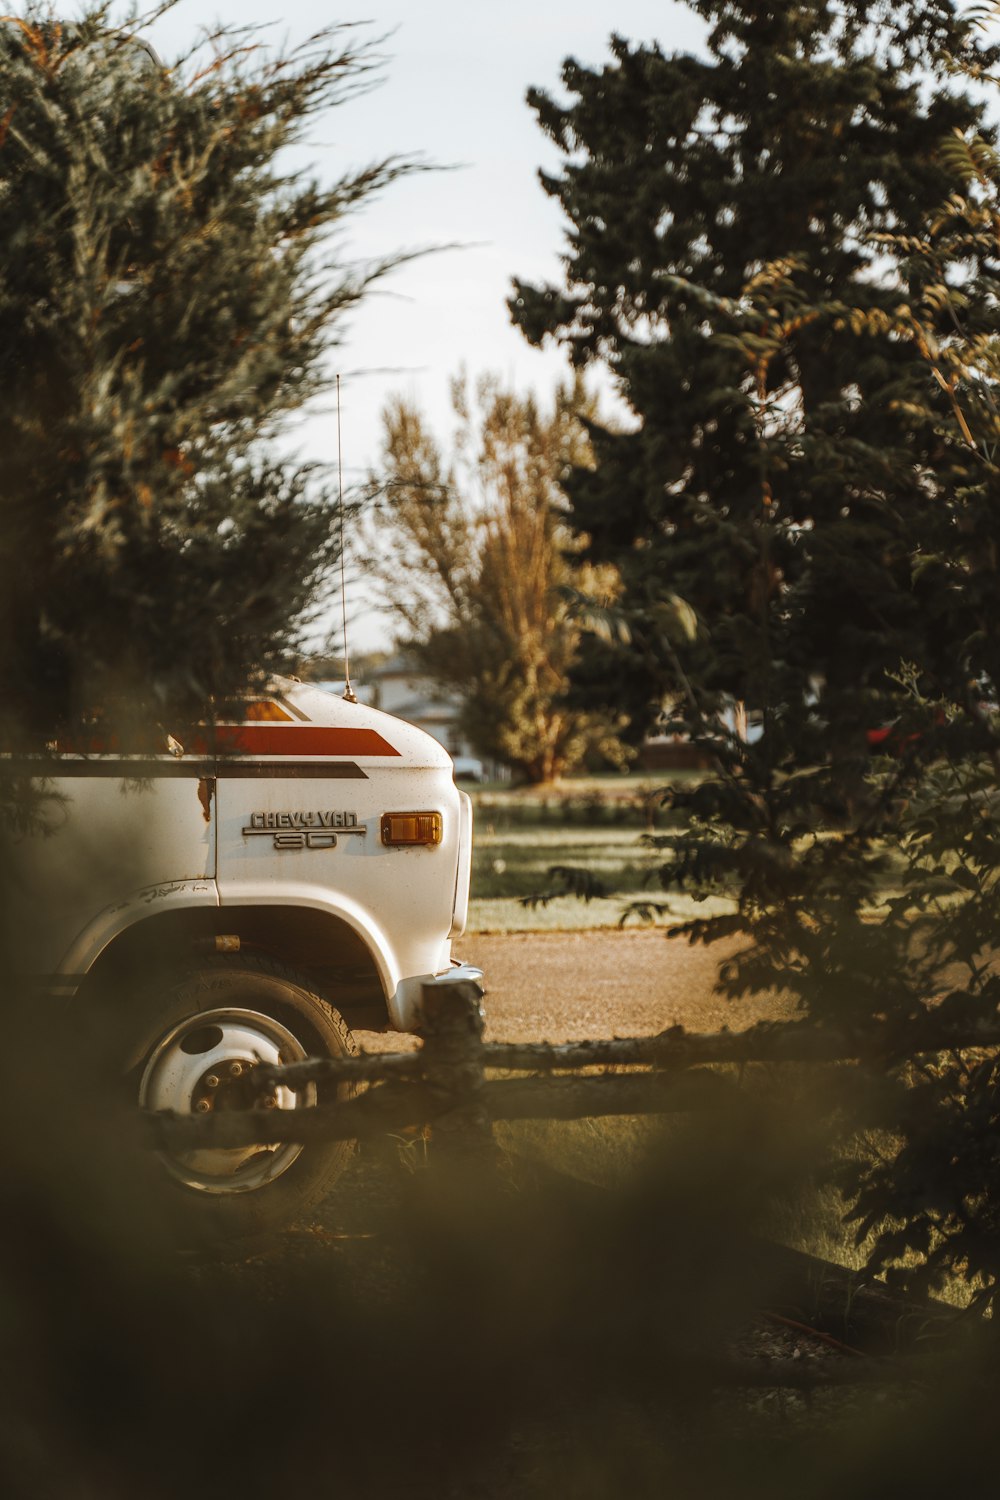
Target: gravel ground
column 575, row 986
column 569, row 986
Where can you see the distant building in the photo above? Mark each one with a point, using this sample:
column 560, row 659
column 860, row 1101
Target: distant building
column 674, row 752
column 670, row 752
column 398, row 687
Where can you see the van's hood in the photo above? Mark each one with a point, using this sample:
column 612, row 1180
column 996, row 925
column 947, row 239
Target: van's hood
column 377, row 736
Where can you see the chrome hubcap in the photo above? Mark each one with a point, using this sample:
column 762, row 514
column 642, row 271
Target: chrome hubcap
column 205, row 1065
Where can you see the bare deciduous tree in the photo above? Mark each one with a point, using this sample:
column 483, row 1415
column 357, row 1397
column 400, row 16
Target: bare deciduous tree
column 477, row 568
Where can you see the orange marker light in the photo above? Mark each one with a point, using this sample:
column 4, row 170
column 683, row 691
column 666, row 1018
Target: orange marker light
column 411, row 828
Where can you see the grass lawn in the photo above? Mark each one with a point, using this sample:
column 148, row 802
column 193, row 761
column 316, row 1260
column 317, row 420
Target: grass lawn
column 594, row 824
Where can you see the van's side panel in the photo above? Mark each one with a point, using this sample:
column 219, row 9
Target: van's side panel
column 113, row 828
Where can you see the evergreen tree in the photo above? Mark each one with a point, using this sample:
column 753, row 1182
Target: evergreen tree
column 165, row 303
column 717, row 208
column 477, row 567
column 787, row 252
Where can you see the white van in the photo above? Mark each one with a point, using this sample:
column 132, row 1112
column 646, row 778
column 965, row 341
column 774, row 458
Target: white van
column 255, row 894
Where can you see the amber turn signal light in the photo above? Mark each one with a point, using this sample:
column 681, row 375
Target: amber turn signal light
column 411, row 828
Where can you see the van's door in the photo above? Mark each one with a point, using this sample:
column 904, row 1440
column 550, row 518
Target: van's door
column 104, row 830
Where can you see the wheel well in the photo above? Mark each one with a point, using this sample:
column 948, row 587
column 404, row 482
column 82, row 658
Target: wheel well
column 318, row 945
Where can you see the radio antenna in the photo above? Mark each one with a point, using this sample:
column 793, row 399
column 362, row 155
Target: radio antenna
column 350, row 695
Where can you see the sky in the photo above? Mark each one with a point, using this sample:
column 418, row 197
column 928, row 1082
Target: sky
column 452, row 91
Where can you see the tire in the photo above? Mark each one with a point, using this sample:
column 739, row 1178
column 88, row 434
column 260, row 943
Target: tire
column 195, row 1037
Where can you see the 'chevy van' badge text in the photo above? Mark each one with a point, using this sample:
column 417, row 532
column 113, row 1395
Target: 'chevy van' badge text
column 303, row 830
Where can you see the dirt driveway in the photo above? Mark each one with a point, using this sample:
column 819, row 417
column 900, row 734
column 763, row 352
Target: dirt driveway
column 571, row 986
column 565, row 986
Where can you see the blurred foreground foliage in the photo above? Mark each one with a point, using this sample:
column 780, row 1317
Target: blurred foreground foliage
column 443, row 1331
column 798, row 301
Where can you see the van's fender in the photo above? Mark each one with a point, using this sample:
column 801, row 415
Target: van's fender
column 400, row 985
column 110, row 923
column 402, row 992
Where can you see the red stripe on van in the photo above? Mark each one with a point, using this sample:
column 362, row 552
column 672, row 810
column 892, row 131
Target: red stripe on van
column 297, row 739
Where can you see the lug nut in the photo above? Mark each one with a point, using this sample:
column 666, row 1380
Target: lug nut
column 212, row 1081
column 203, row 1106
column 236, row 1070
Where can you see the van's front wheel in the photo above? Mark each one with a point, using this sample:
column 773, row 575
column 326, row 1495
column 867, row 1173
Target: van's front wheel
column 201, row 1039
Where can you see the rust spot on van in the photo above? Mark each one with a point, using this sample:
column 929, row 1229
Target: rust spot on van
column 206, row 791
